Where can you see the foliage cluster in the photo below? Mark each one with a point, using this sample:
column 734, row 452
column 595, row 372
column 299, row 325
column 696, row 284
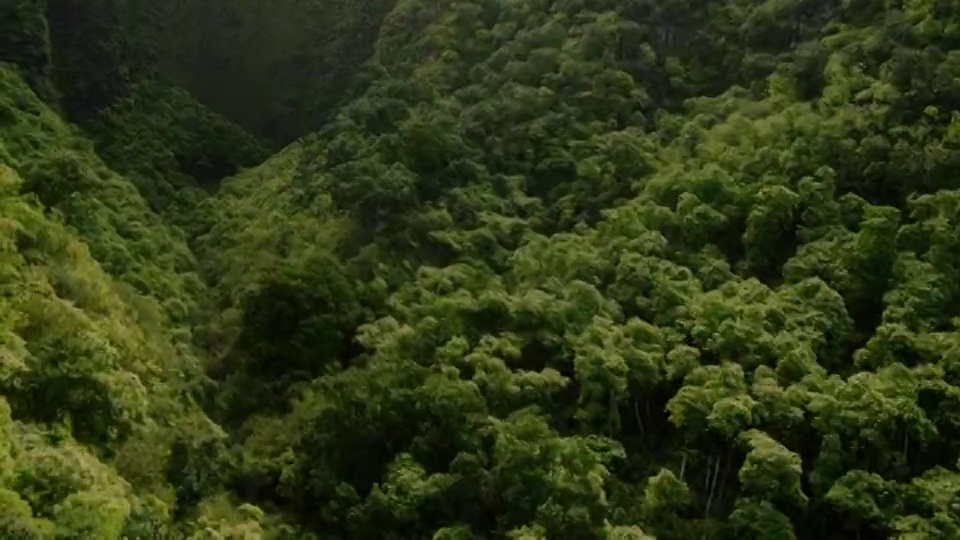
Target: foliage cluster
column 562, row 269
column 674, row 267
column 101, row 430
column 94, row 62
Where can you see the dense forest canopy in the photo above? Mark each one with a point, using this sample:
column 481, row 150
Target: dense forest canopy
column 464, row 269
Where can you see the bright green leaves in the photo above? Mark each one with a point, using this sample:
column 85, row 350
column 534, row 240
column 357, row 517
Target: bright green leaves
column 395, row 508
column 559, row 480
column 593, row 307
column 748, row 323
column 625, row 533
column 666, row 503
column 776, row 406
column 220, row 517
column 63, row 491
column 756, row 519
column 16, row 515
column 925, row 506
column 602, row 377
column 505, row 378
column 876, row 415
column 656, row 289
column 68, row 355
column 17, row 521
column 735, row 321
column 92, row 515
column 928, row 296
column 771, row 472
column 929, row 505
column 130, row 241
column 55, row 179
column 610, row 361
column 518, row 464
column 714, row 399
column 452, row 412
column 92, row 370
column 73, row 370
column 864, row 496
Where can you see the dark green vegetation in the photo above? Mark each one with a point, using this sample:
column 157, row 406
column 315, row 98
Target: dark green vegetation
column 279, row 67
column 550, row 269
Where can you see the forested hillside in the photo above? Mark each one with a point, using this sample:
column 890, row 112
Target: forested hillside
column 279, row 67
column 544, row 269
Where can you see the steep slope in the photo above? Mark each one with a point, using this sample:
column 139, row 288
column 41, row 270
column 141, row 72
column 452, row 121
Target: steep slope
column 286, row 306
column 102, row 432
column 563, row 269
column 93, row 62
column 278, row 68
column 59, row 165
column 679, row 269
column 174, row 149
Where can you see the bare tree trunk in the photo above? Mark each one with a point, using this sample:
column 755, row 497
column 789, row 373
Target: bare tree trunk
column 713, row 485
column 636, row 413
column 706, row 482
column 726, row 471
